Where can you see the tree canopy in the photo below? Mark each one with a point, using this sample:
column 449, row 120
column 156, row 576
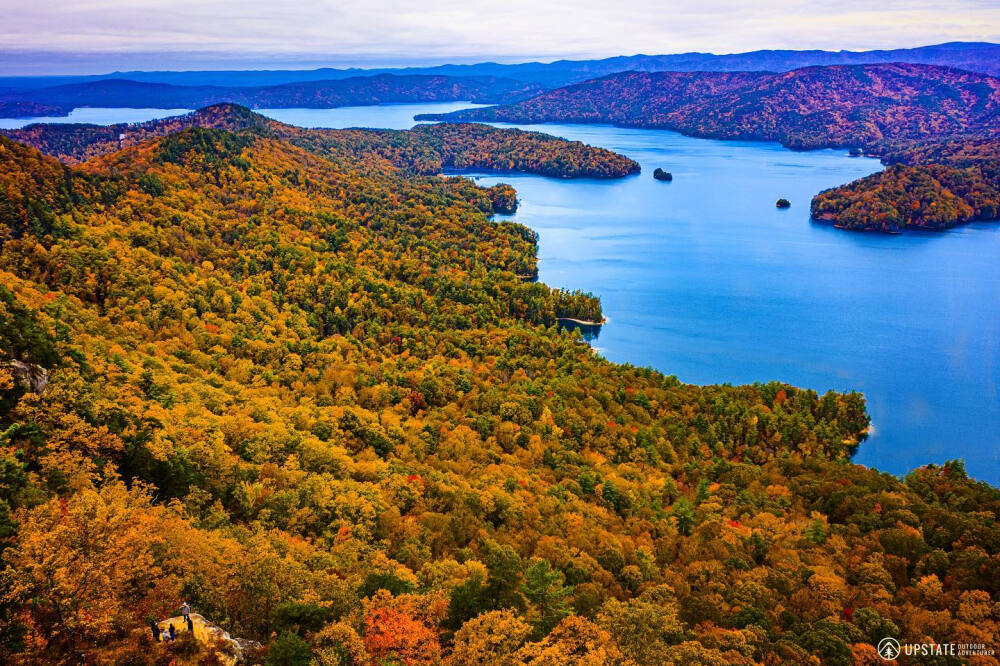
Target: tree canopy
column 308, row 390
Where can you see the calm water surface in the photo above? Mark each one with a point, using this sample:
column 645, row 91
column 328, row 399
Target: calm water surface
column 396, row 116
column 705, row 279
column 392, row 116
column 96, row 116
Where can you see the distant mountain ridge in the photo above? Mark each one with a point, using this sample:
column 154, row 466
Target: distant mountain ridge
column 982, row 57
column 380, row 89
column 868, row 106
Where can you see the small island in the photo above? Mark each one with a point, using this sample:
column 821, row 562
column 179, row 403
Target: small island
column 660, row 174
column 783, row 203
column 504, row 198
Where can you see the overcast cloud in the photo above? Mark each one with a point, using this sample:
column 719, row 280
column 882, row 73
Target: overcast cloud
column 121, row 34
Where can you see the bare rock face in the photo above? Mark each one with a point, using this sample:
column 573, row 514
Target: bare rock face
column 229, row 650
column 33, row 377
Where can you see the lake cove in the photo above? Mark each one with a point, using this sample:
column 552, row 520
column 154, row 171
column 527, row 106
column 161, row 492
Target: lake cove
column 708, row 280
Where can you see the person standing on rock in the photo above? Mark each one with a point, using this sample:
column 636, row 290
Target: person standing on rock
column 190, row 623
column 155, row 629
column 173, row 632
column 185, row 610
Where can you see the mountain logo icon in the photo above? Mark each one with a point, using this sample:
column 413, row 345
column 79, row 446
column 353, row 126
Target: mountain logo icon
column 888, row 649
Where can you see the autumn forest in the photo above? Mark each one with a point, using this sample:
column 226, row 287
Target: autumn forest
column 279, row 395
column 302, row 381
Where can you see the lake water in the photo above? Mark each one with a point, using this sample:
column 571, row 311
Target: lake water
column 705, row 279
column 392, row 116
column 396, row 116
column 96, row 116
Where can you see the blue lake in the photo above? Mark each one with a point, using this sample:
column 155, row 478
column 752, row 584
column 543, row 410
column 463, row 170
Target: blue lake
column 392, row 116
column 705, row 279
column 396, row 116
column 96, row 116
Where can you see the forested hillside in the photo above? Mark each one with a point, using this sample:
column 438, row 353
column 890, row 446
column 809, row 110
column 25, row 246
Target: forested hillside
column 24, row 109
column 961, row 151
column 929, row 185
column 815, row 107
column 302, row 386
column 73, row 143
column 931, row 196
column 424, row 149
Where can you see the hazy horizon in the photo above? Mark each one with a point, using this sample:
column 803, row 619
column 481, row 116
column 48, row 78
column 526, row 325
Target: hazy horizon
column 42, row 64
column 101, row 36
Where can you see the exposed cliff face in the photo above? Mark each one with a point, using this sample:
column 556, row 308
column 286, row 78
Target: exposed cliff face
column 31, row 376
column 229, row 650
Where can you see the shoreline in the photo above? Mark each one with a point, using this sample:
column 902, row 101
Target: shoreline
column 583, row 322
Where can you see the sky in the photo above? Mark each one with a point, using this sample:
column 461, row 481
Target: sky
column 94, row 36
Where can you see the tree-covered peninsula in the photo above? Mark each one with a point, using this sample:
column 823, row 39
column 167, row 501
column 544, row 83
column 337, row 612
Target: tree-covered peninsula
column 426, row 149
column 928, row 185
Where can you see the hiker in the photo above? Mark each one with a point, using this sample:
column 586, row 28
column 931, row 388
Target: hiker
column 164, row 636
column 155, row 629
column 190, row 624
column 173, row 633
column 185, row 610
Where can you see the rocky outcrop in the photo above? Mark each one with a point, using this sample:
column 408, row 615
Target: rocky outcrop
column 229, row 650
column 31, row 376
